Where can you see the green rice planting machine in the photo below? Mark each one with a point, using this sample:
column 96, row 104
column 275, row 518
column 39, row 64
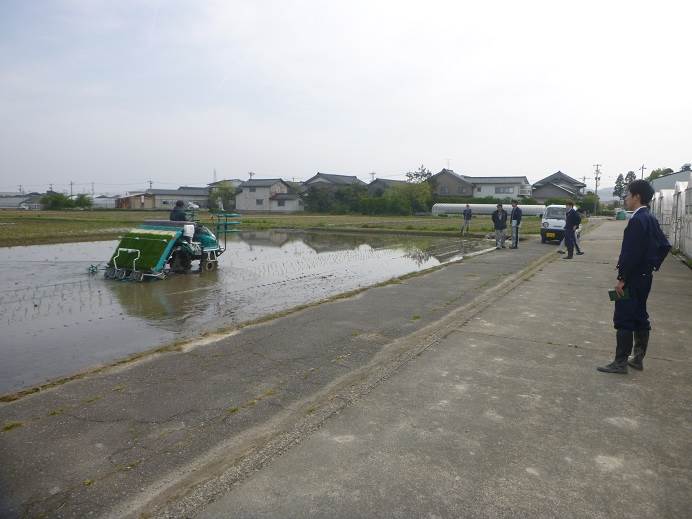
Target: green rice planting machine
column 158, row 247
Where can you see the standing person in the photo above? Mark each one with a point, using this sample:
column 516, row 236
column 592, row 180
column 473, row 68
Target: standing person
column 560, row 248
column 572, row 221
column 515, row 221
column 644, row 247
column 178, row 212
column 467, row 219
column 500, row 222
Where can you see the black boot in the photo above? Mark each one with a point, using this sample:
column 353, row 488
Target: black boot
column 641, row 342
column 622, row 351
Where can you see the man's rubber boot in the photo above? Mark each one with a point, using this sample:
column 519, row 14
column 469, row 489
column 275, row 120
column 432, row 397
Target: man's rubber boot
column 622, row 351
column 641, row 342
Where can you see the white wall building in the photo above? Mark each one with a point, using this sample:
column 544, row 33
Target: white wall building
column 500, row 187
column 267, row 195
column 678, row 222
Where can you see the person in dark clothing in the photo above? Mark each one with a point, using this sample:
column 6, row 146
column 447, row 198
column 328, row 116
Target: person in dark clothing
column 572, row 221
column 468, row 214
column 178, row 212
column 644, row 247
column 515, row 222
column 500, row 221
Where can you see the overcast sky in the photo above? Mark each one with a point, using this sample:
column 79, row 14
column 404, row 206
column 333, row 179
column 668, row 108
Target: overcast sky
column 120, row 92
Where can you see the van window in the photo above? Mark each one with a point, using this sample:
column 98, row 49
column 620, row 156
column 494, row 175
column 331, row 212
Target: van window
column 556, row 213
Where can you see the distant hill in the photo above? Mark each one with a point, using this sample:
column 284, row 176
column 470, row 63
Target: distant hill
column 605, row 194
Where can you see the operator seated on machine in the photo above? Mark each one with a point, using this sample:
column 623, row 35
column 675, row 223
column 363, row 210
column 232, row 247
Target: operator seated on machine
column 178, row 212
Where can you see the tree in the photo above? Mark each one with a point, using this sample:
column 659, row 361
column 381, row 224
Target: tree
column 629, row 178
column 223, row 195
column 319, row 199
column 84, row 201
column 409, row 199
column 53, row 200
column 659, row 172
column 619, row 187
column 589, row 203
column 418, row 176
column 686, row 167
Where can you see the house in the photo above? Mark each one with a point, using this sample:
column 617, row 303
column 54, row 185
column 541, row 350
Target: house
column 332, row 181
column 449, row 183
column 267, row 195
column 164, row 198
column 138, row 200
column 378, row 186
column 500, row 187
column 668, row 181
column 557, row 185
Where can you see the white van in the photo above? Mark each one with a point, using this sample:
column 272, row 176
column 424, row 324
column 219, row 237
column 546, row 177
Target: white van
column 553, row 223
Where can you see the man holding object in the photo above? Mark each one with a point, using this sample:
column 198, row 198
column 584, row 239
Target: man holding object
column 572, row 221
column 515, row 219
column 644, row 247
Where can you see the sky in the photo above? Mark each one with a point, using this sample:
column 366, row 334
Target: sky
column 121, row 93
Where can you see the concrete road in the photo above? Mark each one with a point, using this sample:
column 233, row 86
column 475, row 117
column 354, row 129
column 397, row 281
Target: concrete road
column 172, row 431
column 506, row 416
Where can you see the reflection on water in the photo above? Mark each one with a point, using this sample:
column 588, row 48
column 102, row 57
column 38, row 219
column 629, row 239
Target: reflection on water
column 56, row 319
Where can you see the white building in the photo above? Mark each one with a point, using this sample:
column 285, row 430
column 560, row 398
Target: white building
column 679, row 220
column 267, row 195
column 500, row 187
column 662, row 207
column 449, row 183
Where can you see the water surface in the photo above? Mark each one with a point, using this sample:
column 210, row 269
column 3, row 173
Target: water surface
column 56, row 319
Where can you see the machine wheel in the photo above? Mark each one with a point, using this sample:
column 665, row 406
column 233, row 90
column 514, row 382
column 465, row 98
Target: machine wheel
column 136, row 275
column 109, row 273
column 209, row 265
column 120, row 274
column 181, row 262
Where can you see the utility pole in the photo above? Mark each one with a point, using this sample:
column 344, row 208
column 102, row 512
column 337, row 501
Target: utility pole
column 151, row 183
column 92, row 190
column 21, row 189
column 71, row 184
column 597, row 178
column 251, row 173
column 642, row 170
column 50, row 188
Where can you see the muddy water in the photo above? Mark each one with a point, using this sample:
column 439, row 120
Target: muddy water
column 56, row 319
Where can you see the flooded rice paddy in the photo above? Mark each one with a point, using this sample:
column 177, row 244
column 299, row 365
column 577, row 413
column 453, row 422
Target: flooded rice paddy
column 57, row 319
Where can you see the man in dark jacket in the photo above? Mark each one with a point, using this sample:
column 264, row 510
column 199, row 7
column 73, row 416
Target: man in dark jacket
column 468, row 213
column 572, row 221
column 500, row 222
column 644, row 246
column 515, row 222
column 178, row 212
